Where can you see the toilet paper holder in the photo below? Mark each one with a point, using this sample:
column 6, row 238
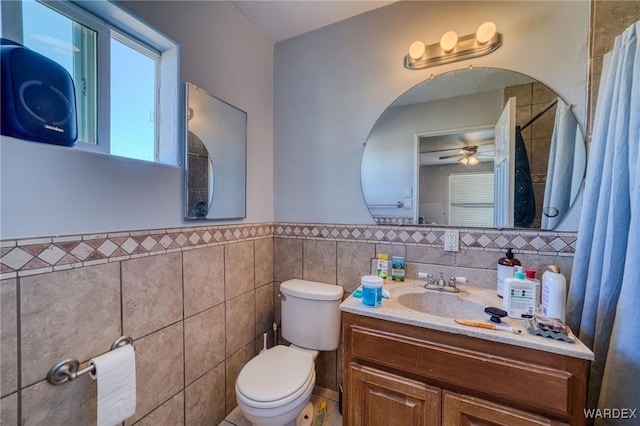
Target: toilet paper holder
column 69, row 369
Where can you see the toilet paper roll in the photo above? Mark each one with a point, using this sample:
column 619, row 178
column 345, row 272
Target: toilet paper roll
column 115, row 373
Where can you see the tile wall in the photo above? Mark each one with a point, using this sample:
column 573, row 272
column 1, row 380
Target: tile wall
column 171, row 289
column 195, row 300
column 341, row 254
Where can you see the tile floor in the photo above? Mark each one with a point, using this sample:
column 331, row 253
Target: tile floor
column 235, row 418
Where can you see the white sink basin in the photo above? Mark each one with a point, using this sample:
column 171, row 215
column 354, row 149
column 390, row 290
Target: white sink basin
column 448, row 305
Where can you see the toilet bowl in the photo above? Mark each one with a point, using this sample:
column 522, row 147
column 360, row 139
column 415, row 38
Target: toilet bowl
column 274, row 387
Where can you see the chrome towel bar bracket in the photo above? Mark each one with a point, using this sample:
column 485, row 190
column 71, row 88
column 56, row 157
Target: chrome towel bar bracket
column 69, row 369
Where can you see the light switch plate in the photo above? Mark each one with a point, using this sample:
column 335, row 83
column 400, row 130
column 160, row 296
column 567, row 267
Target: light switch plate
column 408, row 203
column 407, row 191
column 451, row 240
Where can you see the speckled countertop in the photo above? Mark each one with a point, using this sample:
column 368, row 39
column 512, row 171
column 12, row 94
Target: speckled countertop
column 411, row 293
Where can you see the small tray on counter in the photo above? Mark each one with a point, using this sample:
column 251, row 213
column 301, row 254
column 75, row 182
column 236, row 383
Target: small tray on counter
column 533, row 328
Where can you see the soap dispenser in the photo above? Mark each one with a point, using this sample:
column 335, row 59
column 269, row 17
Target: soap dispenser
column 506, row 269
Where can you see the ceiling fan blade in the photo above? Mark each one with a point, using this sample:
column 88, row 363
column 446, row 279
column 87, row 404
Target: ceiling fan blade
column 451, row 156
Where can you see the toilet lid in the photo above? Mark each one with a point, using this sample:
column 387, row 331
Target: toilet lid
column 275, row 374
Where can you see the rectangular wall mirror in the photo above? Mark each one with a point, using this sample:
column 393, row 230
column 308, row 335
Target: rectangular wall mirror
column 215, row 158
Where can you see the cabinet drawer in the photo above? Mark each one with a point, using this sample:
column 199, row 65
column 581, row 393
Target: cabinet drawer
column 529, row 385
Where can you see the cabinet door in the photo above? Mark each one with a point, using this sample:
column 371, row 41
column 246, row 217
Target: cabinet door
column 378, row 398
column 462, row 410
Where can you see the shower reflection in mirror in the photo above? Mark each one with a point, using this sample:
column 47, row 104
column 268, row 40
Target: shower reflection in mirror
column 215, row 157
column 437, row 148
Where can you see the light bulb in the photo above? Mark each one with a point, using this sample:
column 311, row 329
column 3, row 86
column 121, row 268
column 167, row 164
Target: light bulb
column 472, row 161
column 416, row 50
column 464, row 160
column 485, row 32
column 448, row 41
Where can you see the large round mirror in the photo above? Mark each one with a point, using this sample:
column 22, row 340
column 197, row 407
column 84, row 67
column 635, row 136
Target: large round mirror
column 480, row 147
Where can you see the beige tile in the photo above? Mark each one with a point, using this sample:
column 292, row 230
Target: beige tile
column 354, row 260
column 151, row 293
column 233, row 366
column 287, row 259
column 277, row 303
column 8, row 338
column 319, row 261
column 68, row 314
column 159, row 369
column 205, row 398
column 435, row 255
column 236, row 418
column 485, row 278
column 522, row 92
column 540, row 156
column 333, row 414
column 204, row 338
column 391, row 250
column 64, row 405
column 240, row 322
column 543, row 126
column 259, row 342
column 264, row 261
column 169, row 413
column 239, row 264
column 264, row 309
column 326, row 369
column 203, row 271
column 541, row 95
column 611, row 19
column 480, row 258
column 9, row 410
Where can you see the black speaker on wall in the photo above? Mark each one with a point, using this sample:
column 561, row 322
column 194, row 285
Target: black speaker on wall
column 38, row 97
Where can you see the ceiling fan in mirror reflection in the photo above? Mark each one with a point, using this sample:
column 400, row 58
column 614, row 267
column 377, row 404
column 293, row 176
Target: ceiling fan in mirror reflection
column 38, row 97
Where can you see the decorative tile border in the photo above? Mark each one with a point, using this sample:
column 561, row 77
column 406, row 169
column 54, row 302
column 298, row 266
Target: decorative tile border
column 40, row 255
column 525, row 241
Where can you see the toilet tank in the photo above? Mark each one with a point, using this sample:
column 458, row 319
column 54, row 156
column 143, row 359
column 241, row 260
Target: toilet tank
column 311, row 314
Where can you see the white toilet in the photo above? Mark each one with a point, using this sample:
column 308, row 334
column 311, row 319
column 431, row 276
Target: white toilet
column 274, row 388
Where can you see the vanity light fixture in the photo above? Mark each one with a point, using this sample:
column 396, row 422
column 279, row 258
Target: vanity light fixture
column 453, row 48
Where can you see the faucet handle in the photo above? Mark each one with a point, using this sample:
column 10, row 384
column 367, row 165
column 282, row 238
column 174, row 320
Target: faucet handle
column 452, row 281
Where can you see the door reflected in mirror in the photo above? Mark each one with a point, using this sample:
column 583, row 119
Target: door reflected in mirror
column 480, row 147
column 215, row 158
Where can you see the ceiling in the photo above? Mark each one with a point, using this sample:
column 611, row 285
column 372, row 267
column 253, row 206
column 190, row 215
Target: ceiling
column 280, row 20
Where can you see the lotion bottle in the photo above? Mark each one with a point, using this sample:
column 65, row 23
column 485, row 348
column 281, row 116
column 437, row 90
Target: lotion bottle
column 506, row 269
column 519, row 295
column 531, row 276
column 554, row 293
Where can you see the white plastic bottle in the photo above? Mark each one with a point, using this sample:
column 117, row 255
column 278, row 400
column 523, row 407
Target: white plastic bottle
column 531, row 276
column 519, row 295
column 554, row 293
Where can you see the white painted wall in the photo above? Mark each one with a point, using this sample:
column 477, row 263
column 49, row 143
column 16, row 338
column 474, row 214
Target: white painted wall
column 332, row 84
column 389, row 162
column 48, row 190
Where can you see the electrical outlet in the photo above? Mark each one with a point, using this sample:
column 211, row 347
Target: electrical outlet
column 451, row 242
column 408, row 203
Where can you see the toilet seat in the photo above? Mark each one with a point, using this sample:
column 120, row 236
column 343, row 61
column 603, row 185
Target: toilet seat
column 275, row 377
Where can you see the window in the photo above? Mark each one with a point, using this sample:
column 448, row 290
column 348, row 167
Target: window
column 471, row 199
column 125, row 73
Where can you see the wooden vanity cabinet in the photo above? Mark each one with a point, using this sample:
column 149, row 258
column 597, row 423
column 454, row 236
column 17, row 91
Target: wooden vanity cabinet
column 399, row 374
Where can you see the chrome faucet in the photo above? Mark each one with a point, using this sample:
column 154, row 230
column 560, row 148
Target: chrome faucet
column 441, row 282
column 439, row 285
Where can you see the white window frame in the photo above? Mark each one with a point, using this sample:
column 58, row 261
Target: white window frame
column 109, row 20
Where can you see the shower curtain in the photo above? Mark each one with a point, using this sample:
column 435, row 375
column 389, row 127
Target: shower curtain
column 604, row 297
column 567, row 159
